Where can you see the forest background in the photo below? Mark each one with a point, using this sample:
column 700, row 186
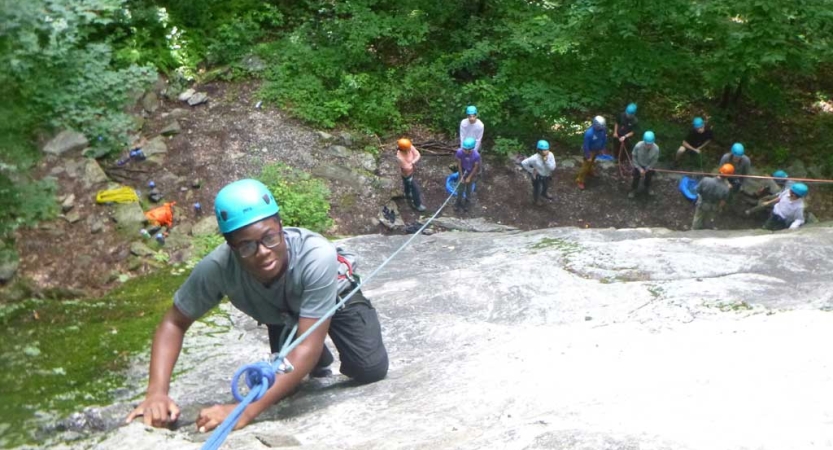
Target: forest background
column 759, row 70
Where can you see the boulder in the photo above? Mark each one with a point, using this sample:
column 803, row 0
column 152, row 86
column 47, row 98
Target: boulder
column 68, row 203
column 156, row 150
column 150, row 102
column 341, row 174
column 8, row 268
column 139, row 248
column 568, row 163
column 547, row 339
column 93, row 174
column 72, row 216
column 337, row 150
column 206, row 226
column 198, row 98
column 176, row 114
column 186, row 95
column 171, row 129
column 390, row 216
column 129, row 218
column 66, row 141
column 345, row 139
column 324, row 136
column 367, row 162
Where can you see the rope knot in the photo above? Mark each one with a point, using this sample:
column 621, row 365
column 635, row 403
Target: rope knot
column 260, row 377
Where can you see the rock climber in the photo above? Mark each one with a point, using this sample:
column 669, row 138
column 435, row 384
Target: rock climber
column 277, row 275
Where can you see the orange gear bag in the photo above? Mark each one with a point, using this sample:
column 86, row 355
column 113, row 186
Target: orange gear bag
column 162, row 215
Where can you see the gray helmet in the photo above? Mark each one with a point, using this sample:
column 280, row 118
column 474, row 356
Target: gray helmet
column 599, row 122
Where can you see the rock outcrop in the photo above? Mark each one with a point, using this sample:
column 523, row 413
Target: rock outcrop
column 562, row 338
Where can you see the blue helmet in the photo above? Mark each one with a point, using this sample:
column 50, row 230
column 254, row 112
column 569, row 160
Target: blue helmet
column 470, row 110
column 649, row 137
column 543, row 145
column 780, row 174
column 469, row 143
column 698, row 122
column 799, row 189
column 737, row 149
column 631, row 109
column 243, row 203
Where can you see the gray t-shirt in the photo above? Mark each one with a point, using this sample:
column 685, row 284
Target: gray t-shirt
column 307, row 288
column 712, row 190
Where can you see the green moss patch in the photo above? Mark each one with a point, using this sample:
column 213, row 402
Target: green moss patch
column 61, row 356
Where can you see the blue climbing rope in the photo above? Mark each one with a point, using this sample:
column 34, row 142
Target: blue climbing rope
column 260, row 376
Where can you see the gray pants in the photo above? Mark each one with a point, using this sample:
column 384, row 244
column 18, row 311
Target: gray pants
column 705, row 212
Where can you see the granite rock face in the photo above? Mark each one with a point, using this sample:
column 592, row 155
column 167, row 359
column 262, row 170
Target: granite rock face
column 562, row 338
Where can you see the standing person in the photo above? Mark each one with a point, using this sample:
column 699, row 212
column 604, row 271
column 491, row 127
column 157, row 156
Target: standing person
column 645, row 157
column 276, row 275
column 698, row 138
column 472, row 127
column 788, row 211
column 468, row 164
column 540, row 165
column 742, row 164
column 595, row 140
column 712, row 194
column 770, row 191
column 625, row 127
column 408, row 156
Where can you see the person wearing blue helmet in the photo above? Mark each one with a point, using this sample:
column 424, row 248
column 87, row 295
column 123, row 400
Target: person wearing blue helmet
column 788, row 209
column 743, row 165
column 472, row 127
column 770, row 191
column 645, row 157
column 697, row 139
column 279, row 276
column 625, row 127
column 468, row 166
column 595, row 140
column 541, row 166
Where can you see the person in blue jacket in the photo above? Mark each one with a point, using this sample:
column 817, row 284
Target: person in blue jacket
column 595, row 140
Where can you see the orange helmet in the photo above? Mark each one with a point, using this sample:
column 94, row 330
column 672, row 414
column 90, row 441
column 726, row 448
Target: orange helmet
column 404, row 144
column 727, row 169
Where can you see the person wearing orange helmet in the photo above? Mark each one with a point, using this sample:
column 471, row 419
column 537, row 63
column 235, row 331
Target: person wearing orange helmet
column 712, row 194
column 408, row 156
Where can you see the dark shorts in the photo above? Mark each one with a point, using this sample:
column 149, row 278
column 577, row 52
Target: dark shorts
column 357, row 335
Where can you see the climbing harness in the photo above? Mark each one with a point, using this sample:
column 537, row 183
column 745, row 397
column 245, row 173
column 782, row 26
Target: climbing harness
column 261, row 376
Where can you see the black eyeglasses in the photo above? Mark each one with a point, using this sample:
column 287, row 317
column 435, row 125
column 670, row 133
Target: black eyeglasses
column 248, row 248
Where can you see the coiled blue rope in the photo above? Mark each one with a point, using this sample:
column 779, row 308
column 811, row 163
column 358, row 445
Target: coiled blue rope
column 260, row 376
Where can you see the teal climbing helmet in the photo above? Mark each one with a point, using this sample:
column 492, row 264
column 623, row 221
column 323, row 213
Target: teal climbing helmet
column 649, row 137
column 631, row 109
column 737, row 149
column 469, row 143
column 698, row 122
column 543, row 145
column 471, row 110
column 799, row 189
column 779, row 174
column 243, row 203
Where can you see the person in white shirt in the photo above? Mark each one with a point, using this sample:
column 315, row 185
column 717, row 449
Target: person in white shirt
column 789, row 209
column 540, row 165
column 472, row 127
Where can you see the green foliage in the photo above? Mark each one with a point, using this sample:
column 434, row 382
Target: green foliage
column 25, row 203
column 506, row 147
column 51, row 56
column 304, row 201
